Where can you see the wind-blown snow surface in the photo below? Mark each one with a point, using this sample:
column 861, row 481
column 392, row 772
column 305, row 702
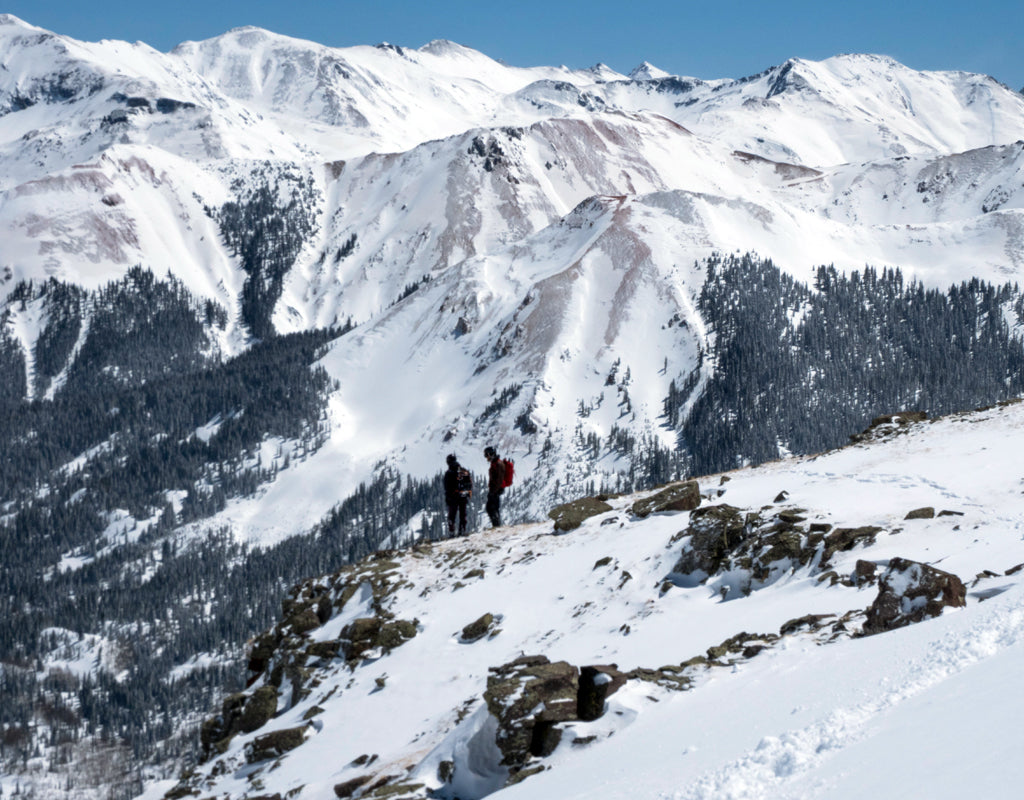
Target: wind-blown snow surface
column 928, row 710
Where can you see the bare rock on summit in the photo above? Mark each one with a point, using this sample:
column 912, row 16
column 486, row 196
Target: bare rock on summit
column 910, row 592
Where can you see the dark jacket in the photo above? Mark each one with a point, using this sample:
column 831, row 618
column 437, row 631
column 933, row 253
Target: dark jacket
column 452, row 490
column 496, row 477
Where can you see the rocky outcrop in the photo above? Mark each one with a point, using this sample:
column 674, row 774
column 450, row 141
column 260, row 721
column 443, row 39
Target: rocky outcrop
column 570, row 516
column 369, row 634
column 276, row 743
column 240, row 713
column 888, row 425
column 713, row 532
column 909, row 592
column 597, row 684
column 921, row 513
column 684, row 496
column 528, row 697
column 844, row 539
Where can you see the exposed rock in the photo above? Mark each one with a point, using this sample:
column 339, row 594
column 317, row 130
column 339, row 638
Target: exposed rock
column 478, row 628
column 713, row 531
column 842, row 539
column 947, row 513
column 520, row 775
column 781, row 497
column 348, row 788
column 597, row 684
column 783, row 545
column 215, row 734
column 921, row 513
column 864, row 572
column 909, row 592
column 325, row 650
column 684, row 496
column 369, row 633
column 527, row 696
column 396, row 633
column 603, row 562
column 261, row 651
column 738, row 644
column 883, row 426
column 395, row 791
column 259, row 709
column 570, row 516
column 274, row 744
column 315, row 711
column 812, row 621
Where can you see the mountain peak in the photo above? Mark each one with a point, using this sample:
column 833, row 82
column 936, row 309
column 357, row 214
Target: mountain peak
column 446, row 47
column 647, row 71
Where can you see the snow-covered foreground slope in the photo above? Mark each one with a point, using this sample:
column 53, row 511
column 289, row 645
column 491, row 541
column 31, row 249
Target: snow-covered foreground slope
column 787, row 699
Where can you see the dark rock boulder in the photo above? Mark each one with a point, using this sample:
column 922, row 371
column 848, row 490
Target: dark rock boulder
column 684, row 496
column 366, row 634
column 259, row 709
column 570, row 516
column 843, row 539
column 528, row 697
column 909, row 592
column 597, row 684
column 478, row 629
column 921, row 513
column 350, row 787
column 865, row 572
column 713, row 532
column 274, row 744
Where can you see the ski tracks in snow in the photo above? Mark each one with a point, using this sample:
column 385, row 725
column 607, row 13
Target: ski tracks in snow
column 778, row 761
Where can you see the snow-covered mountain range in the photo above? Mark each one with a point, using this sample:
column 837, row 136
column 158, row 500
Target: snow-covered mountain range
column 253, row 290
column 779, row 641
column 553, row 220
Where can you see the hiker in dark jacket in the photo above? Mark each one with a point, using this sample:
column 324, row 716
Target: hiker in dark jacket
column 495, row 485
column 458, row 488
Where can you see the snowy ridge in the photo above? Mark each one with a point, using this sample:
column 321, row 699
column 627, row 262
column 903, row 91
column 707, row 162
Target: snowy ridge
column 796, row 709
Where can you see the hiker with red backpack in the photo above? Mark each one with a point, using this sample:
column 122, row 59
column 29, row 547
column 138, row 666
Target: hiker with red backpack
column 499, row 476
column 458, row 488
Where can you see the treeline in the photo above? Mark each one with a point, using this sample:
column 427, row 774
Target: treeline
column 798, row 368
column 158, row 605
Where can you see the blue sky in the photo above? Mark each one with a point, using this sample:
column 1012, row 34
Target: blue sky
column 706, row 39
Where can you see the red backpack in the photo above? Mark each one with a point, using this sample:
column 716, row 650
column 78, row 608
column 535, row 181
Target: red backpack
column 510, row 468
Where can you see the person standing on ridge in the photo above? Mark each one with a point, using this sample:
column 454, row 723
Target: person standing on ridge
column 495, row 485
column 458, row 488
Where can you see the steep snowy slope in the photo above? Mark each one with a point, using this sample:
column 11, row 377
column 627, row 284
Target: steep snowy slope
column 769, row 583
